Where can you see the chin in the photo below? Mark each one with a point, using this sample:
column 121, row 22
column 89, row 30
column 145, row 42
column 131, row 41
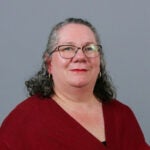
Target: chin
column 79, row 84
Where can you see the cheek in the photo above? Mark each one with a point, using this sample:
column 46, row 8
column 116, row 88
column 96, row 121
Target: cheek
column 58, row 64
column 96, row 64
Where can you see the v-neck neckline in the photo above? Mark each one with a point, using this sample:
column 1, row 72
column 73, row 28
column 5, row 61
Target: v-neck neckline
column 78, row 125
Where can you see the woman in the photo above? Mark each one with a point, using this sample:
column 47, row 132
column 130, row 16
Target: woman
column 72, row 102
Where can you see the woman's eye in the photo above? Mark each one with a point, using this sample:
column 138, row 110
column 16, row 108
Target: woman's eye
column 89, row 49
column 68, row 48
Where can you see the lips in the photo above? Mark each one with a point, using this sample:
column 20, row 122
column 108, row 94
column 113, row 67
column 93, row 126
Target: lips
column 79, row 70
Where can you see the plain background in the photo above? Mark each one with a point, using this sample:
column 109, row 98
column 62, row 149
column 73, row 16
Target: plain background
column 124, row 28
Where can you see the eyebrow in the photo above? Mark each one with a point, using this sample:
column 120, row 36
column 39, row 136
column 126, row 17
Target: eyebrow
column 72, row 43
column 68, row 43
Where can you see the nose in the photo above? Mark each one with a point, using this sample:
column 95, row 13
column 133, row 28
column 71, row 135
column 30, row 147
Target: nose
column 79, row 53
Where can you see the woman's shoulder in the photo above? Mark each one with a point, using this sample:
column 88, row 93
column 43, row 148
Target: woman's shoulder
column 31, row 103
column 26, row 110
column 117, row 106
column 116, row 103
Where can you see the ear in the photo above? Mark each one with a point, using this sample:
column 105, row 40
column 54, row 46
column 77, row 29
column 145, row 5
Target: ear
column 49, row 66
column 47, row 61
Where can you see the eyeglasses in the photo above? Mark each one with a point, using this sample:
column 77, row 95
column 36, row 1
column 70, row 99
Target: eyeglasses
column 69, row 51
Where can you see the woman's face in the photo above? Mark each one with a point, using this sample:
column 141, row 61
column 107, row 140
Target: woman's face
column 78, row 71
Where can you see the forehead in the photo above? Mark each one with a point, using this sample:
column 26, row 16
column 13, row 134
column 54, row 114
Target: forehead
column 76, row 33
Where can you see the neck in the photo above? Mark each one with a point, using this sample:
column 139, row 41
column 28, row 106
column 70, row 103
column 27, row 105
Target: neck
column 75, row 97
column 74, row 93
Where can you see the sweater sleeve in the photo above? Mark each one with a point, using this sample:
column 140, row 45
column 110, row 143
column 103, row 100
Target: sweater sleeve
column 12, row 130
column 3, row 145
column 132, row 133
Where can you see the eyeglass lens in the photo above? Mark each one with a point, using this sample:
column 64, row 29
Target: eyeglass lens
column 69, row 51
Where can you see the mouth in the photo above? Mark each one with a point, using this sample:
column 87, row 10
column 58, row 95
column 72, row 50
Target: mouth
column 79, row 70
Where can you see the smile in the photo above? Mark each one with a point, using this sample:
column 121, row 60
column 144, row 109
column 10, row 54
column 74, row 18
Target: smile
column 79, row 70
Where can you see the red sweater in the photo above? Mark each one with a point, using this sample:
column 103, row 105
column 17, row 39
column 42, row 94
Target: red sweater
column 41, row 124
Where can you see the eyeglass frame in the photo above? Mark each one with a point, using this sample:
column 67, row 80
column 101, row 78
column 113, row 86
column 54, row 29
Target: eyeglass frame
column 77, row 48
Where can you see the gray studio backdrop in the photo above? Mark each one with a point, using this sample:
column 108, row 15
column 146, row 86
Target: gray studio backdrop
column 124, row 27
